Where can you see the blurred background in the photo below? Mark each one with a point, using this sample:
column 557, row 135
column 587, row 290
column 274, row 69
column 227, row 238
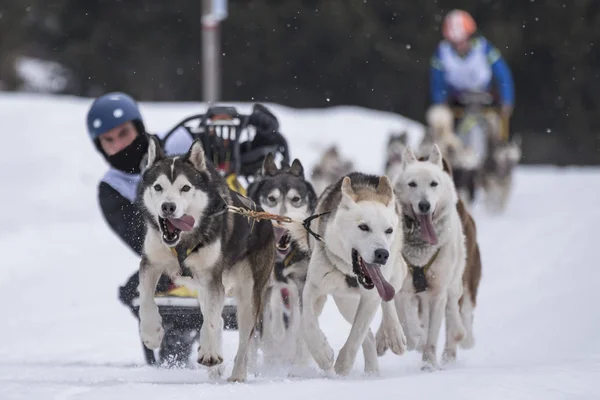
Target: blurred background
column 314, row 53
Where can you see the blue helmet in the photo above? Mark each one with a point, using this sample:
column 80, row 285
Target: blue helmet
column 111, row 110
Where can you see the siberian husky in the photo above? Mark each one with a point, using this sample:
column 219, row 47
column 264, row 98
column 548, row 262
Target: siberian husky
column 285, row 191
column 396, row 144
column 184, row 202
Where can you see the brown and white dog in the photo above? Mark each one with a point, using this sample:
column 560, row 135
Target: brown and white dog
column 434, row 250
column 470, row 282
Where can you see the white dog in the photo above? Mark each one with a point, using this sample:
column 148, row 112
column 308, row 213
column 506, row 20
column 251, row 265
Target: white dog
column 434, row 249
column 359, row 262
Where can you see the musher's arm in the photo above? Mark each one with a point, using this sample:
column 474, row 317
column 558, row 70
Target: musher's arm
column 502, row 75
column 123, row 217
column 438, row 86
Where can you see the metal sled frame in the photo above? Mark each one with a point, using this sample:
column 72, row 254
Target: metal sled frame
column 224, row 126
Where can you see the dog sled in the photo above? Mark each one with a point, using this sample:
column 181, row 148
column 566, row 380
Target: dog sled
column 237, row 145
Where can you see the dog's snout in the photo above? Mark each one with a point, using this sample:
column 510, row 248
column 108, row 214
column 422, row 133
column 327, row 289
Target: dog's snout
column 424, row 206
column 168, row 208
column 381, row 256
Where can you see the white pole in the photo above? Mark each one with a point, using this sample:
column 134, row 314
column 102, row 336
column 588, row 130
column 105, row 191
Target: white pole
column 211, row 78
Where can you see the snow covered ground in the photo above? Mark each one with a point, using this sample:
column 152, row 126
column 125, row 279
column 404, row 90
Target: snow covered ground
column 65, row 335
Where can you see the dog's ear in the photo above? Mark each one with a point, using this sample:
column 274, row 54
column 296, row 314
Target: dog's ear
column 155, row 152
column 384, row 188
column 269, row 167
column 332, row 151
column 348, row 194
column 196, row 156
column 436, row 156
column 297, row 169
column 408, row 156
column 447, row 167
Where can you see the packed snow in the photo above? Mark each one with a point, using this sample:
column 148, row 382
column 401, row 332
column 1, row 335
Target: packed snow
column 66, row 336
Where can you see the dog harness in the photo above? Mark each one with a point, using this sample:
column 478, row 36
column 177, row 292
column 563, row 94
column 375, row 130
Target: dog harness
column 418, row 273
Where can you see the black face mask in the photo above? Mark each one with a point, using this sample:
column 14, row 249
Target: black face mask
column 129, row 159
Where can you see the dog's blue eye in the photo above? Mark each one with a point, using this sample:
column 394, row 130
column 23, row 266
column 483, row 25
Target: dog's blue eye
column 412, row 184
column 434, row 184
column 389, row 231
column 363, row 227
column 185, row 188
column 157, row 187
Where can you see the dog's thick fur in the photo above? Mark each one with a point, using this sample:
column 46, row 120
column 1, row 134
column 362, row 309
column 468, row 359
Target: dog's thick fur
column 432, row 224
column 497, row 172
column 472, row 274
column 285, row 191
column 226, row 253
column 362, row 232
column 330, row 169
column 396, row 144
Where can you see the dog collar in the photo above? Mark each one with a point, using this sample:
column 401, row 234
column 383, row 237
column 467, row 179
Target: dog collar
column 418, row 272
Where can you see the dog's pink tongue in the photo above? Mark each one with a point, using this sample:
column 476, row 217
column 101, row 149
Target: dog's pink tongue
column 185, row 223
column 427, row 231
column 386, row 291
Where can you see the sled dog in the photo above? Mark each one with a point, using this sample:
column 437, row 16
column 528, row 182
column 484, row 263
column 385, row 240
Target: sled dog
column 434, row 250
column 190, row 232
column 358, row 261
column 285, row 191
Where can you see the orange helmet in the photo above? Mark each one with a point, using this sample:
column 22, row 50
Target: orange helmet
column 458, row 26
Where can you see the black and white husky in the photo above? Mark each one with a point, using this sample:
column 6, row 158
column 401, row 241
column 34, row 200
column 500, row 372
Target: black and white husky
column 189, row 232
column 285, row 191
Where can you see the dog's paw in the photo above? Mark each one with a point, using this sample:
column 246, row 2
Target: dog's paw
column 468, row 342
column 372, row 372
column 429, row 361
column 236, row 378
column 448, row 356
column 343, row 364
column 396, row 340
column 209, row 357
column 151, row 330
column 429, row 367
column 381, row 342
column 215, row 373
column 323, row 355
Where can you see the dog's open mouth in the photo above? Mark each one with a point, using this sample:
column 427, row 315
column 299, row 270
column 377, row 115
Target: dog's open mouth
column 369, row 276
column 283, row 240
column 171, row 228
column 425, row 222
